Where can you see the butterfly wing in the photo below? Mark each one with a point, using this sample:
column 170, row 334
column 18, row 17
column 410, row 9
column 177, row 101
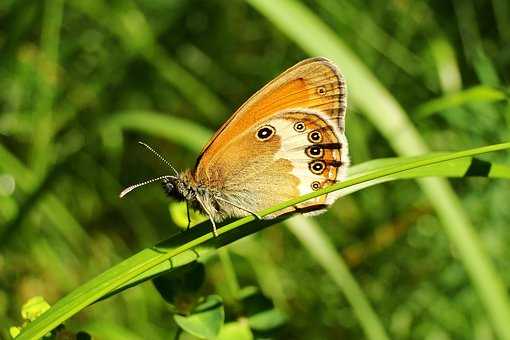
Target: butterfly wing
column 255, row 172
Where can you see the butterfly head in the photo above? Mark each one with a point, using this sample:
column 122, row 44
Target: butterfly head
column 175, row 187
column 169, row 186
column 180, row 187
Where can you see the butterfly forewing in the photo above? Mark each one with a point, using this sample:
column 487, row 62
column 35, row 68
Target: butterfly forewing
column 313, row 83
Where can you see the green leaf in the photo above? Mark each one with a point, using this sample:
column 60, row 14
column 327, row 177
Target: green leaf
column 205, row 320
column 14, row 331
column 34, row 307
column 462, row 167
column 262, row 315
column 238, row 330
column 267, row 321
column 177, row 287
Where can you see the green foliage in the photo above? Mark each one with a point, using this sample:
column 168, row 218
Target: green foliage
column 179, row 288
column 205, row 319
column 30, row 311
column 33, row 308
column 261, row 315
column 83, row 81
column 238, row 330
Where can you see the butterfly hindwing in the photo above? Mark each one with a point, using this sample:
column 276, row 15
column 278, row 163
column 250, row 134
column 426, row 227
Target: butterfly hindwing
column 288, row 155
column 318, row 152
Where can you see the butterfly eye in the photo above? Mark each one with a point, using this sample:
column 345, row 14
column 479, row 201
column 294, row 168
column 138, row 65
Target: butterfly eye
column 317, row 167
column 299, row 127
column 316, row 185
column 315, row 137
column 314, row 151
column 321, row 90
column 265, row 132
column 168, row 186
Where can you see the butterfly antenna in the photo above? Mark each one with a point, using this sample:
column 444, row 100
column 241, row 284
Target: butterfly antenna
column 134, row 186
column 159, row 156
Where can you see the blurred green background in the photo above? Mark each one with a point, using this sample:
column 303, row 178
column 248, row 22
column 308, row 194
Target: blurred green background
column 82, row 81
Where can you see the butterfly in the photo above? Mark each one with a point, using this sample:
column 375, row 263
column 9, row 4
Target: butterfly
column 286, row 140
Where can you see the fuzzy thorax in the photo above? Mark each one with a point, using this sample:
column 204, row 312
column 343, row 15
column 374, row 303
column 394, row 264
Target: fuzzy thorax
column 208, row 200
column 184, row 187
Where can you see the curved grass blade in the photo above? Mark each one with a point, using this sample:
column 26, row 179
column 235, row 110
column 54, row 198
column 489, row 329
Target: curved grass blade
column 456, row 168
column 186, row 247
column 171, row 128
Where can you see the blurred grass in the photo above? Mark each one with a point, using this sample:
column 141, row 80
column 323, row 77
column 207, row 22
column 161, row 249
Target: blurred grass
column 477, row 94
column 43, row 103
column 56, row 211
column 194, row 62
column 131, row 26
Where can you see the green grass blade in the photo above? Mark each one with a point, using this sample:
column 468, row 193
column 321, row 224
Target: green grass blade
column 50, row 41
column 476, row 94
column 320, row 247
column 171, row 128
column 462, row 167
column 448, row 71
column 185, row 247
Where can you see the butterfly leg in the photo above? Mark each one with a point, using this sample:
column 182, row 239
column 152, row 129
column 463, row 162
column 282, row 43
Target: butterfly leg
column 257, row 216
column 215, row 233
column 189, row 218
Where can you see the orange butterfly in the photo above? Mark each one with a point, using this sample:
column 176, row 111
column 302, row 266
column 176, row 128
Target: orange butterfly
column 287, row 140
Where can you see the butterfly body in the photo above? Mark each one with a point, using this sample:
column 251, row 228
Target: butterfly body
column 203, row 198
column 287, row 140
